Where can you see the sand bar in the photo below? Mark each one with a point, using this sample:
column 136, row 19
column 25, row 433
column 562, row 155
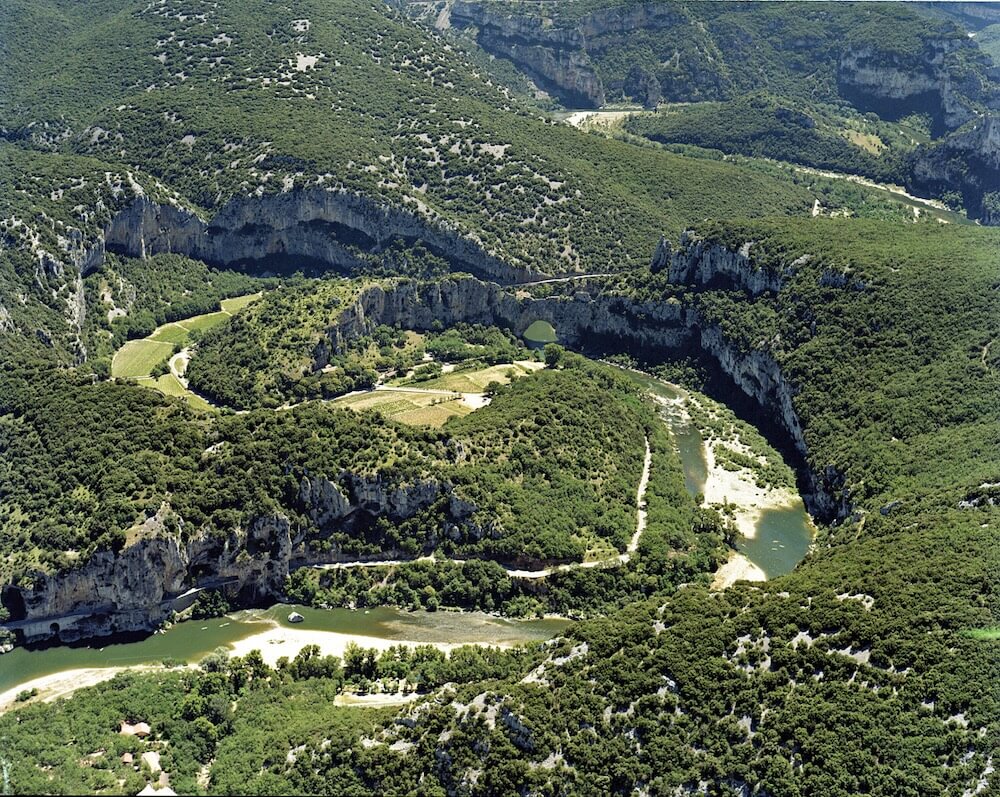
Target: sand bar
column 64, row 683
column 738, row 568
column 277, row 641
column 739, row 489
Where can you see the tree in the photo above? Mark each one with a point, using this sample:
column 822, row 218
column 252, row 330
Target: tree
column 554, row 354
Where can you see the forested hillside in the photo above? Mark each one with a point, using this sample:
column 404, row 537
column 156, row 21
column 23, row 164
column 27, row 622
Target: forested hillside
column 330, row 227
column 926, row 66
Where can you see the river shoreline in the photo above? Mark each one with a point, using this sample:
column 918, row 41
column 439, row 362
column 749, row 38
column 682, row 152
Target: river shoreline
column 748, row 505
column 278, row 640
column 267, row 630
column 65, row 683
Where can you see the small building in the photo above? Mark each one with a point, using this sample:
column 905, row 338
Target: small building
column 140, row 729
column 152, row 760
column 127, row 758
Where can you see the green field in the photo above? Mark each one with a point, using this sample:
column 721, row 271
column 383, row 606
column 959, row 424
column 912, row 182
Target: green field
column 171, row 333
column 985, row 634
column 417, row 409
column 169, row 385
column 138, row 358
column 237, row 303
column 202, row 322
column 180, row 331
column 475, row 380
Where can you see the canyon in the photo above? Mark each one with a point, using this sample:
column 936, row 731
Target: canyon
column 162, row 568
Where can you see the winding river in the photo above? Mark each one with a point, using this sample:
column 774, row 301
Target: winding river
column 783, row 534
column 782, row 538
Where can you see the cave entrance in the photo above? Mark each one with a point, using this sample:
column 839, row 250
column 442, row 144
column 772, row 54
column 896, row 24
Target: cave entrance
column 13, row 602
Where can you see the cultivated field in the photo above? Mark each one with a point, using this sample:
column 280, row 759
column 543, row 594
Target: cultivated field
column 475, row 380
column 427, row 409
column 138, row 358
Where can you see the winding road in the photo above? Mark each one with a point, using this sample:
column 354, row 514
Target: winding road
column 612, row 561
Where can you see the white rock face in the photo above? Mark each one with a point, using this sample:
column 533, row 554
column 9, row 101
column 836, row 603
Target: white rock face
column 318, row 224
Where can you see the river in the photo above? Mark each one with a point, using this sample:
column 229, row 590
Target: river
column 782, row 534
column 782, row 537
column 192, row 640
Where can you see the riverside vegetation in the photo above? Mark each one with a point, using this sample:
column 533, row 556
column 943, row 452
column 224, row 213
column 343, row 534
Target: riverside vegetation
column 866, row 347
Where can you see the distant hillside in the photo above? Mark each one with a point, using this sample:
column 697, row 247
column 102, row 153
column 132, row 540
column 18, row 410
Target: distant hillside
column 894, row 60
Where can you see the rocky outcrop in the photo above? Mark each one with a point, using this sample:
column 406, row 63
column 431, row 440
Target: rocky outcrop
column 325, row 226
column 967, row 161
column 893, row 85
column 558, row 58
column 136, row 588
column 599, row 323
column 759, row 376
column 583, row 320
column 554, row 57
column 703, row 265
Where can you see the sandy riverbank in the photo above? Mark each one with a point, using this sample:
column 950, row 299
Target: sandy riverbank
column 376, row 700
column 738, row 568
column 275, row 641
column 740, row 490
column 62, row 684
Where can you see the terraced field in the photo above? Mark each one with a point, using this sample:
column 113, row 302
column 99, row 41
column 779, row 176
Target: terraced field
column 434, row 401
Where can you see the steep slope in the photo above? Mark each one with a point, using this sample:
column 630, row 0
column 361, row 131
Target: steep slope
column 890, row 60
column 249, row 133
column 814, row 683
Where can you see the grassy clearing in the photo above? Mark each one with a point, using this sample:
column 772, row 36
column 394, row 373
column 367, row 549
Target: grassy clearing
column 412, row 408
column 599, row 550
column 138, row 357
column 985, row 634
column 171, row 333
column 237, row 303
column 169, row 385
column 869, row 142
column 475, row 380
column 200, row 323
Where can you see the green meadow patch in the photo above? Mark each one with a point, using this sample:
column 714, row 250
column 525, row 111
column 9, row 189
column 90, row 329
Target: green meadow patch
column 138, row 358
column 984, row 634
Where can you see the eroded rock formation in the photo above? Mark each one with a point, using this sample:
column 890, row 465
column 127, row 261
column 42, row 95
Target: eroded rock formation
column 326, row 226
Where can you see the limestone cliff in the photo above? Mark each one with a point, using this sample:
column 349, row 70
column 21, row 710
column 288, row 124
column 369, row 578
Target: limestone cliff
column 599, row 322
column 318, row 224
column 555, row 58
column 894, row 85
column 137, row 588
column 967, row 161
column 701, row 265
column 559, row 57
column 584, row 321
